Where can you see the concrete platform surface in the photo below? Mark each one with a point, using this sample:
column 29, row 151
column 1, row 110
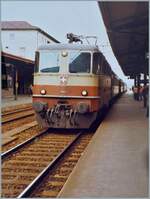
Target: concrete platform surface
column 115, row 163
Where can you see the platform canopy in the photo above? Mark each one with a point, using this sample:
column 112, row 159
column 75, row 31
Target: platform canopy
column 127, row 28
column 24, row 68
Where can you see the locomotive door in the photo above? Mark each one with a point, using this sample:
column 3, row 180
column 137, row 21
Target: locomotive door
column 63, row 78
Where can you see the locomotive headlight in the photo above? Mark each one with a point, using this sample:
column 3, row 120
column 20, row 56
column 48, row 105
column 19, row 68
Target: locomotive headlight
column 64, row 54
column 84, row 93
column 43, row 92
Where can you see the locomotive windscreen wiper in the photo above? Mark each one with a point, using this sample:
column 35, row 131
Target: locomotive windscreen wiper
column 50, row 70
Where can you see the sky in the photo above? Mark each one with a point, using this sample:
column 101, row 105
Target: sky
column 58, row 18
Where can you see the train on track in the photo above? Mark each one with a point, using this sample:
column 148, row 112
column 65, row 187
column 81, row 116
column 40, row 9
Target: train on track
column 73, row 83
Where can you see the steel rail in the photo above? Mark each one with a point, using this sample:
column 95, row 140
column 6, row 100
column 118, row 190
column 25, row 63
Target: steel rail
column 16, row 118
column 29, row 189
column 19, row 146
column 17, row 111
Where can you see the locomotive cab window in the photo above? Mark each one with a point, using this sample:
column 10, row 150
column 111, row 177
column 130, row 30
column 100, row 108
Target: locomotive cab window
column 79, row 62
column 49, row 62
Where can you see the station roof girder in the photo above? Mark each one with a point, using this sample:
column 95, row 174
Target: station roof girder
column 127, row 27
column 11, row 57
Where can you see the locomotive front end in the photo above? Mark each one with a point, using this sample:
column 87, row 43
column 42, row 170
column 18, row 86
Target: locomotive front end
column 65, row 94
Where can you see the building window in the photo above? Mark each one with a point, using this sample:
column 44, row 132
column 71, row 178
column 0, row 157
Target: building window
column 48, row 42
column 12, row 36
column 22, row 51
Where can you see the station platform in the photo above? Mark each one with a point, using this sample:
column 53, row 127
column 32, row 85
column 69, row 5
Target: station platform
column 9, row 102
column 115, row 163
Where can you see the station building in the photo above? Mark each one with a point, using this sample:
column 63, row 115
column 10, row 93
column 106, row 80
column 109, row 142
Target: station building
column 22, row 39
column 19, row 42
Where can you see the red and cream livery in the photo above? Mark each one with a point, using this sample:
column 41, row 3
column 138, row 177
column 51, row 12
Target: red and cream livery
column 72, row 83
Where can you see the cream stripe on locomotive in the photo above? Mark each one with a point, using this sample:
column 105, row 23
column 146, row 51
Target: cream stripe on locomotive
column 64, row 79
column 78, row 97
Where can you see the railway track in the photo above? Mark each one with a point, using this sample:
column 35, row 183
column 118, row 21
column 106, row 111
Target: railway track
column 53, row 182
column 19, row 136
column 16, row 110
column 24, row 166
column 17, row 114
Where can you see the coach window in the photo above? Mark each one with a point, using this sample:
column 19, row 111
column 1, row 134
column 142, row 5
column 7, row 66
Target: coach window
column 105, row 67
column 79, row 62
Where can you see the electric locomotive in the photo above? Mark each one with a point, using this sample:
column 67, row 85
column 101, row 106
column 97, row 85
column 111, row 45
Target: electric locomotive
column 72, row 83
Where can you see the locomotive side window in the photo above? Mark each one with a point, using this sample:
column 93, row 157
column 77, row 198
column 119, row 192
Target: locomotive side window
column 97, row 63
column 36, row 67
column 79, row 62
column 49, row 62
column 105, row 67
